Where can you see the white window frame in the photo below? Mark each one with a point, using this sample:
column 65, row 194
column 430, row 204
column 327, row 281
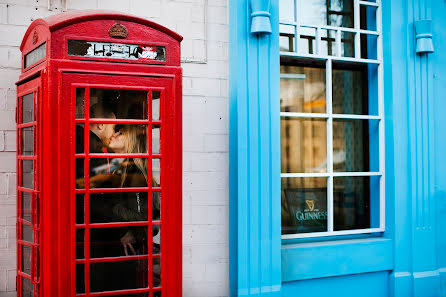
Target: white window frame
column 329, row 116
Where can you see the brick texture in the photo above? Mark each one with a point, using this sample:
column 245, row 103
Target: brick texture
column 204, row 26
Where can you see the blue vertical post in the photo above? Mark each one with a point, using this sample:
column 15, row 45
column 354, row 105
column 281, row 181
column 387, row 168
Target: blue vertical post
column 254, row 149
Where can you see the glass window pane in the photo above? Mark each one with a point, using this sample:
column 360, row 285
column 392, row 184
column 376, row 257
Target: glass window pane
column 286, row 10
column 303, row 145
column 118, row 242
column 26, row 259
column 349, row 89
column 369, row 46
column 118, row 172
column 304, row 205
column 80, row 182
column 122, row 139
column 328, row 42
column 156, row 273
column 286, row 39
column 36, row 266
column 156, row 233
column 27, row 141
column 80, row 136
column 331, row 12
column 27, row 108
column 119, row 104
column 36, row 222
column 27, row 287
column 302, row 89
column 27, row 233
column 351, row 149
column 156, row 172
column 122, row 275
column 80, row 208
column 307, row 40
column 351, row 198
column 80, row 240
column 156, row 98
column 27, row 174
column 156, row 206
column 118, row 207
column 80, row 278
column 368, row 17
column 26, row 206
column 80, row 103
column 348, row 44
column 156, row 139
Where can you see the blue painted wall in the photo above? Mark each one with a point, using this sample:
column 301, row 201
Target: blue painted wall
column 409, row 259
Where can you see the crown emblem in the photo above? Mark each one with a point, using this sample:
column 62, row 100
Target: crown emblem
column 118, row 31
column 35, row 37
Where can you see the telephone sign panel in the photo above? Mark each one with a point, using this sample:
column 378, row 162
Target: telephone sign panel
column 99, row 158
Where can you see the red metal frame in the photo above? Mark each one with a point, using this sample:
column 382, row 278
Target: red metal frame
column 55, row 79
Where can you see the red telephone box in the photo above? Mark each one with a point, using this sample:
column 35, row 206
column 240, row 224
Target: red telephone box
column 99, row 161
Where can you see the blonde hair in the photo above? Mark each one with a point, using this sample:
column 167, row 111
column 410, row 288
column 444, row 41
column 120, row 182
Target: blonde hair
column 135, row 143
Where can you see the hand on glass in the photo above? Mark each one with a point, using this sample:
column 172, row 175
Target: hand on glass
column 127, row 242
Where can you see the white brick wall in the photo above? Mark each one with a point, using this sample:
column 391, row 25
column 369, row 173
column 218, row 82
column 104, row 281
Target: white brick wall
column 203, row 24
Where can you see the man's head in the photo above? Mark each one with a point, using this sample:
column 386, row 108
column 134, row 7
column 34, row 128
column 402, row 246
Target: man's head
column 103, row 131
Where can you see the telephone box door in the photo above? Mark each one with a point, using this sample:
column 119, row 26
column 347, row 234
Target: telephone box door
column 124, row 183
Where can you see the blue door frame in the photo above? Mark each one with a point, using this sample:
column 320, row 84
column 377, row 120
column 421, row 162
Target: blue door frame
column 409, row 259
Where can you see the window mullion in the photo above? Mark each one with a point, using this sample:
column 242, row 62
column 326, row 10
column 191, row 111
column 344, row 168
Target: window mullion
column 357, row 26
column 329, row 100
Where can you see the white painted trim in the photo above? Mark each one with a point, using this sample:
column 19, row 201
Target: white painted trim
column 333, row 233
column 327, row 174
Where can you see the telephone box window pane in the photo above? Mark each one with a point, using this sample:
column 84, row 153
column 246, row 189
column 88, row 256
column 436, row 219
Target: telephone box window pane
column 303, row 145
column 80, row 182
column 27, row 288
column 27, row 141
column 156, row 131
column 80, row 239
column 337, row 13
column 302, row 89
column 80, row 278
column 156, row 206
column 156, row 233
column 27, row 108
column 80, row 208
column 119, row 104
column 26, row 259
column 351, row 150
column 108, row 242
column 118, row 173
column 27, row 174
column 26, row 206
column 350, row 90
column 156, row 273
column 304, row 205
column 27, row 233
column 80, row 103
column 36, row 222
column 122, row 275
column 156, row 98
column 80, row 137
column 351, row 201
column 121, row 139
column 118, row 207
column 36, row 265
column 156, row 172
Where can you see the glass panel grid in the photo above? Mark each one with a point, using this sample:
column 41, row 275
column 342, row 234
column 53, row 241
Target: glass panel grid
column 88, row 265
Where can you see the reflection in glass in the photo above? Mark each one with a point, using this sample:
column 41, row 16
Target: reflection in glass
column 26, row 259
column 27, row 174
column 27, row 288
column 27, row 108
column 27, row 233
column 156, row 172
column 123, row 104
column 122, row 275
column 286, row 39
column 351, row 150
column 302, row 89
column 286, row 10
column 156, row 139
column 368, row 17
column 348, row 44
column 36, row 258
column 118, row 207
column 337, row 13
column 80, row 103
column 307, row 40
column 26, row 206
column 106, row 242
column 304, row 205
column 27, row 141
column 156, row 98
column 303, row 145
column 369, row 46
column 118, row 173
column 156, row 273
column 350, row 91
column 80, row 239
column 80, row 278
column 351, row 198
column 328, row 42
